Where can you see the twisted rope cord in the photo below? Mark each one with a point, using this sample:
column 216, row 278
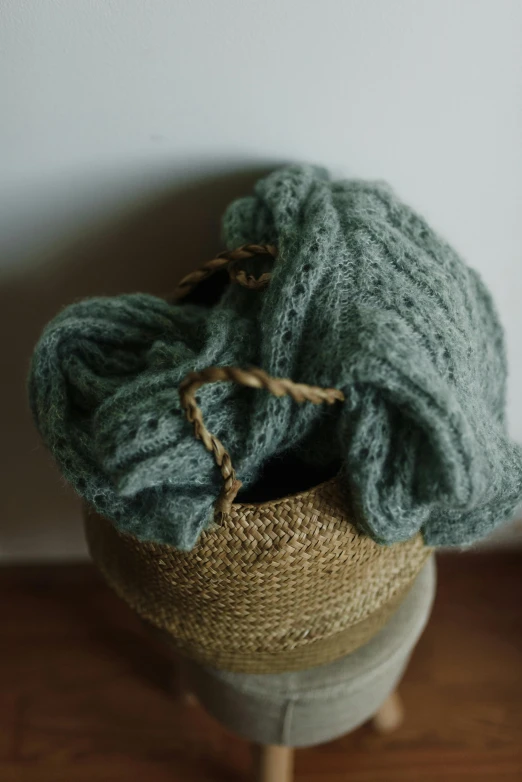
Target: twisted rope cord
column 253, row 378
column 229, row 259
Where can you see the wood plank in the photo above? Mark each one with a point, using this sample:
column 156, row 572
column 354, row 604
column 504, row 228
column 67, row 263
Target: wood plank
column 84, row 693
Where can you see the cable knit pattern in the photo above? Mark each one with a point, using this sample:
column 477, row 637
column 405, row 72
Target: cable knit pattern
column 365, row 297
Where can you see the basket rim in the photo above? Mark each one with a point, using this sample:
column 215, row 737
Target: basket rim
column 285, row 497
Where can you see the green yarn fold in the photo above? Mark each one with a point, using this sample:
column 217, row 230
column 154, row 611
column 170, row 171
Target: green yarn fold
column 365, row 297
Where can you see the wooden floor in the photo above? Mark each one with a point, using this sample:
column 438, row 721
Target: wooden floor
column 83, row 692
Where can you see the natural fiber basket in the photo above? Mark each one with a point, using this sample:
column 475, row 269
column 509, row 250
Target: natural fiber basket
column 271, row 586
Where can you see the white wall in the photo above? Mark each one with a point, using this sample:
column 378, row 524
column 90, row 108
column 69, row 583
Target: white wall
column 126, row 125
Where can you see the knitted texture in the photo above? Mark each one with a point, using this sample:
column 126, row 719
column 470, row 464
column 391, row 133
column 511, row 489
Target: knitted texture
column 364, row 297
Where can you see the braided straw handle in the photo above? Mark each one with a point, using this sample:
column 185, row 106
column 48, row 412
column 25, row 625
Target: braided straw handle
column 229, row 259
column 253, row 378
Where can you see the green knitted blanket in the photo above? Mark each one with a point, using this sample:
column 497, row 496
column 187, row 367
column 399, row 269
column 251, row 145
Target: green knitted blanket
column 364, row 297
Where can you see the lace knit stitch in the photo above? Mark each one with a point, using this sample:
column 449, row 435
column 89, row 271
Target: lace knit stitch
column 365, row 297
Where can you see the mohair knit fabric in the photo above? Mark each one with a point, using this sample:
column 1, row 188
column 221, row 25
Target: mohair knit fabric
column 364, row 297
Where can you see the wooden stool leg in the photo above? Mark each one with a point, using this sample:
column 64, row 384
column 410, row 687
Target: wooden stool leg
column 274, row 763
column 391, row 714
column 179, row 688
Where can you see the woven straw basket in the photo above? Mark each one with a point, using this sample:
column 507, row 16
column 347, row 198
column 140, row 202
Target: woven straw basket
column 271, row 586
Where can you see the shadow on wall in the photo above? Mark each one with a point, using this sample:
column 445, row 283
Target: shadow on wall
column 148, row 250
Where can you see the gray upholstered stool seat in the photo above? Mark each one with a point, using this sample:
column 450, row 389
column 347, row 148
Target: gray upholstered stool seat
column 313, row 706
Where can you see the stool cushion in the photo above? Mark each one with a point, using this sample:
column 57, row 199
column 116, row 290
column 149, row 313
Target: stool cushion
column 309, row 707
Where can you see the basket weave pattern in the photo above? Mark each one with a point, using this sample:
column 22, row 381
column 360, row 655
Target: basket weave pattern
column 276, row 586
